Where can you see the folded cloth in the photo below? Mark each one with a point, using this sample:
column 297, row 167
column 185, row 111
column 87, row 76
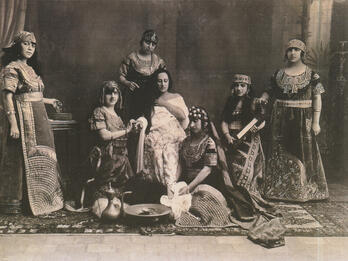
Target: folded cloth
column 267, row 233
column 208, row 209
column 178, row 204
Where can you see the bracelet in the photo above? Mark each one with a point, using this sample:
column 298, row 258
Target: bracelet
column 317, row 110
column 11, row 112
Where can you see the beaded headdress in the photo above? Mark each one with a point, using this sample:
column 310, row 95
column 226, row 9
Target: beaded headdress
column 198, row 113
column 22, row 36
column 295, row 43
column 241, row 78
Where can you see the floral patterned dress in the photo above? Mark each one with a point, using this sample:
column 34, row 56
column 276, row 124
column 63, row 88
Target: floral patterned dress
column 110, row 157
column 162, row 144
column 294, row 170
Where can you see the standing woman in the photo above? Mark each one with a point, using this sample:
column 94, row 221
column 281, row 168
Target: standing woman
column 294, row 170
column 136, row 70
column 26, row 142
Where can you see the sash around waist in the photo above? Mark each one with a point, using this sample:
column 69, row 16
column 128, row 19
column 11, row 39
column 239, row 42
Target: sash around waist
column 294, row 104
column 29, row 96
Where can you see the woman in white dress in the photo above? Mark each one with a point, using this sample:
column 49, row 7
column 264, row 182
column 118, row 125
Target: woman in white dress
column 167, row 117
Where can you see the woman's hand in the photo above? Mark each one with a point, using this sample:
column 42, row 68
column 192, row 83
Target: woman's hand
column 261, row 100
column 132, row 86
column 316, row 128
column 14, row 131
column 229, row 139
column 130, row 126
column 184, row 190
column 254, row 129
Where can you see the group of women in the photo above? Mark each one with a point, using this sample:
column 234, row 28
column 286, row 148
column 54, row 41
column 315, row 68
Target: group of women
column 163, row 142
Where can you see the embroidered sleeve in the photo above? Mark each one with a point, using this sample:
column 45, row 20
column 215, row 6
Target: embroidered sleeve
column 10, row 80
column 318, row 88
column 124, row 68
column 210, row 157
column 97, row 120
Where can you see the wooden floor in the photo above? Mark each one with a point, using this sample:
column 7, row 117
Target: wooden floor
column 136, row 247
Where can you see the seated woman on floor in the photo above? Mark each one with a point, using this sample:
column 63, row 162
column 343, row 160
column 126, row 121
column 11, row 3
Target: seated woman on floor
column 167, row 117
column 198, row 153
column 112, row 167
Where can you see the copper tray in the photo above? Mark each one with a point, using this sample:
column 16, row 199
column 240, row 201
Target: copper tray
column 147, row 210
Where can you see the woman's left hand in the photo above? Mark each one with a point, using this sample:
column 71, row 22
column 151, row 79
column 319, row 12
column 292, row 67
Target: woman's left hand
column 316, row 128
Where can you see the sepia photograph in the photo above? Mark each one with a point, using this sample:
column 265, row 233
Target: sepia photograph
column 173, row 130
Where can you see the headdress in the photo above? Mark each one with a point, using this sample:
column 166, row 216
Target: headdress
column 21, row 36
column 242, row 78
column 198, row 113
column 150, row 36
column 108, row 87
column 295, row 43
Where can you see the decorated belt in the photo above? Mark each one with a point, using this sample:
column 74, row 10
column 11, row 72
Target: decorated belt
column 295, row 104
column 235, row 125
column 29, row 96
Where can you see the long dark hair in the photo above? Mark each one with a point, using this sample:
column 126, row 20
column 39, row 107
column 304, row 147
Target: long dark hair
column 14, row 52
column 153, row 93
column 231, row 104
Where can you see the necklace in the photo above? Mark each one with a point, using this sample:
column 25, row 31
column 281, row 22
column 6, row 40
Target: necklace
column 193, row 151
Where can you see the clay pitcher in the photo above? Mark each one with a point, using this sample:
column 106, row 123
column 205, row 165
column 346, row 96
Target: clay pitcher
column 111, row 213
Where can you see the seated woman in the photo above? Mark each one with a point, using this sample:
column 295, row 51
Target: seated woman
column 110, row 154
column 198, row 153
column 167, row 117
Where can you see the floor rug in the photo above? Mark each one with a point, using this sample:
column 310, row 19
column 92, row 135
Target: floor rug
column 308, row 219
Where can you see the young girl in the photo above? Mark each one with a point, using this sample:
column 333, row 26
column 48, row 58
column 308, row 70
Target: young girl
column 294, row 167
column 136, row 71
column 29, row 172
column 110, row 154
column 245, row 157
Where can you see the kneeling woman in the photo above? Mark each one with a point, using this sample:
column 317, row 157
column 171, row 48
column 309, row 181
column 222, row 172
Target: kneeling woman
column 110, row 155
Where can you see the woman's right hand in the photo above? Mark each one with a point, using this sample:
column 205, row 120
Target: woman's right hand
column 132, row 86
column 229, row 139
column 14, row 131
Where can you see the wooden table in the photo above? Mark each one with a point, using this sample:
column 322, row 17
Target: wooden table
column 67, row 142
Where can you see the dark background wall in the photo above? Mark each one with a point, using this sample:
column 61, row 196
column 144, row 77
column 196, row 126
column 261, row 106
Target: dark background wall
column 82, row 42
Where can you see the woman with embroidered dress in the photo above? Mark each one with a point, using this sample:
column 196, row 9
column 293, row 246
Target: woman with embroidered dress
column 294, row 170
column 245, row 156
column 198, row 154
column 29, row 172
column 110, row 157
column 167, row 117
column 136, row 70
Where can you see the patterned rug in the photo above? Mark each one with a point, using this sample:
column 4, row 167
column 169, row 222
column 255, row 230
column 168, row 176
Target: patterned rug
column 308, row 219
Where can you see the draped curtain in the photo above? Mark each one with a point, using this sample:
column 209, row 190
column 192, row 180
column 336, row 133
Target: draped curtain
column 12, row 19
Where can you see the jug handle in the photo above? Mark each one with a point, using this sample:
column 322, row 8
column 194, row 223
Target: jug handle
column 122, row 200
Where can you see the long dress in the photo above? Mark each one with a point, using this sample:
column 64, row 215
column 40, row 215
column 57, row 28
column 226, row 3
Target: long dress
column 162, row 144
column 246, row 159
column 34, row 153
column 110, row 157
column 294, row 170
column 139, row 71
